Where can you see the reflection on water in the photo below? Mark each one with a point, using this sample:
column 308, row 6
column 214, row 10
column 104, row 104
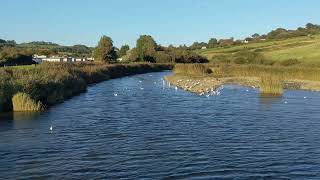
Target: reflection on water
column 270, row 100
column 149, row 130
column 20, row 116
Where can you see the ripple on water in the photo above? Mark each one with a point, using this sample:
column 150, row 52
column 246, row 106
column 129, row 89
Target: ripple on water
column 140, row 128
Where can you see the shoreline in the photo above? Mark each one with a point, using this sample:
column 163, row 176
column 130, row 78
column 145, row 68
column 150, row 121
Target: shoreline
column 202, row 85
column 76, row 81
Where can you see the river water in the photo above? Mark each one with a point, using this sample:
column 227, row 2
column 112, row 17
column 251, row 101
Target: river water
column 140, row 128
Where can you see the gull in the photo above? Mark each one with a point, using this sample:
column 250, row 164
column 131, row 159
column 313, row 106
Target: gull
column 115, row 94
column 51, row 128
column 176, row 88
column 304, row 97
column 286, row 102
column 142, row 88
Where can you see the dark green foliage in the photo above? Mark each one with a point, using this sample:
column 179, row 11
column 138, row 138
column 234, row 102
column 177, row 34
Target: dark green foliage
column 123, row 50
column 290, row 62
column 184, row 56
column 163, row 57
column 10, row 56
column 197, row 45
column 213, row 42
column 146, row 48
column 244, row 57
column 105, row 51
column 50, row 49
column 4, row 43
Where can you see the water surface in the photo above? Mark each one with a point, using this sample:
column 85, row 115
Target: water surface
column 139, row 128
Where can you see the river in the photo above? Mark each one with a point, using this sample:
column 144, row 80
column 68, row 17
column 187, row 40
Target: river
column 138, row 127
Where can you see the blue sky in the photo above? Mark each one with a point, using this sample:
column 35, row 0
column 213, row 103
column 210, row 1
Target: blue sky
column 175, row 22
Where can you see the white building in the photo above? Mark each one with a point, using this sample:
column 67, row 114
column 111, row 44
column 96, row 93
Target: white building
column 38, row 59
column 53, row 59
column 41, row 58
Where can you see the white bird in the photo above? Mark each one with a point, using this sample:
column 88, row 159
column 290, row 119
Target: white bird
column 140, row 81
column 247, row 90
column 115, row 94
column 286, row 102
column 142, row 88
column 304, row 97
column 51, row 128
column 176, row 88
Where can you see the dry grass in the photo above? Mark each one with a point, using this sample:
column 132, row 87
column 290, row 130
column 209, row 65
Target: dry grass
column 287, row 73
column 23, row 102
column 271, row 85
column 52, row 83
column 271, row 79
column 192, row 69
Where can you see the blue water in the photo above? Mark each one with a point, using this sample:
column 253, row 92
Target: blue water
column 152, row 131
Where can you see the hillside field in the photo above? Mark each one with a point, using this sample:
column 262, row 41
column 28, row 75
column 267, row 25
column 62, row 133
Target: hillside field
column 304, row 49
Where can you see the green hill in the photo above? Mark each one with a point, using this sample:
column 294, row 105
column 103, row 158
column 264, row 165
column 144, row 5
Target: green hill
column 304, row 49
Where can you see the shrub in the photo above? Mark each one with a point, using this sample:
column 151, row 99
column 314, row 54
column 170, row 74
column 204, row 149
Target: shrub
column 289, row 62
column 249, row 57
column 24, row 102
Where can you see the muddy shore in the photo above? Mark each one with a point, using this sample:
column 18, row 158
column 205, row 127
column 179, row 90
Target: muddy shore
column 205, row 84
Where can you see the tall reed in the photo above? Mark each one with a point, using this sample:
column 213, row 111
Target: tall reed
column 271, row 85
column 192, row 69
column 23, row 102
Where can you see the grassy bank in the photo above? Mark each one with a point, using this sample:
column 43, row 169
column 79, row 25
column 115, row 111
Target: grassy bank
column 271, row 79
column 304, row 49
column 51, row 83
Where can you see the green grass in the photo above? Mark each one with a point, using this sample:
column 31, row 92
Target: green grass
column 304, row 49
column 26, row 67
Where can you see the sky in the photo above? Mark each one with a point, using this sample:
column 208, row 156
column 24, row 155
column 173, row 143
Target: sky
column 69, row 22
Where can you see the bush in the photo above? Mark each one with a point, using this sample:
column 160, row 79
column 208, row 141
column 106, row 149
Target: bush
column 24, row 102
column 289, row 62
column 249, row 57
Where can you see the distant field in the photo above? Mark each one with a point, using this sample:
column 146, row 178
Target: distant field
column 22, row 67
column 306, row 49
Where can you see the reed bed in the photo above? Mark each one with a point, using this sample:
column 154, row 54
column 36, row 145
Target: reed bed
column 51, row 83
column 24, row 102
column 270, row 79
column 271, row 85
column 287, row 73
column 192, row 69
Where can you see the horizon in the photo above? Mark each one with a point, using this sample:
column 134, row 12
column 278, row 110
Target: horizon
column 179, row 25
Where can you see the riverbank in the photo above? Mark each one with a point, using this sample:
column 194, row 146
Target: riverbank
column 51, row 83
column 200, row 82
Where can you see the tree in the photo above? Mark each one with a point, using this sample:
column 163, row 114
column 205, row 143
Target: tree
column 105, row 51
column 255, row 36
column 146, row 48
column 123, row 50
column 213, row 42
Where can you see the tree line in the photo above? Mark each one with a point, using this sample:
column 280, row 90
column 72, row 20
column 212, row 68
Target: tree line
column 277, row 34
column 146, row 50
